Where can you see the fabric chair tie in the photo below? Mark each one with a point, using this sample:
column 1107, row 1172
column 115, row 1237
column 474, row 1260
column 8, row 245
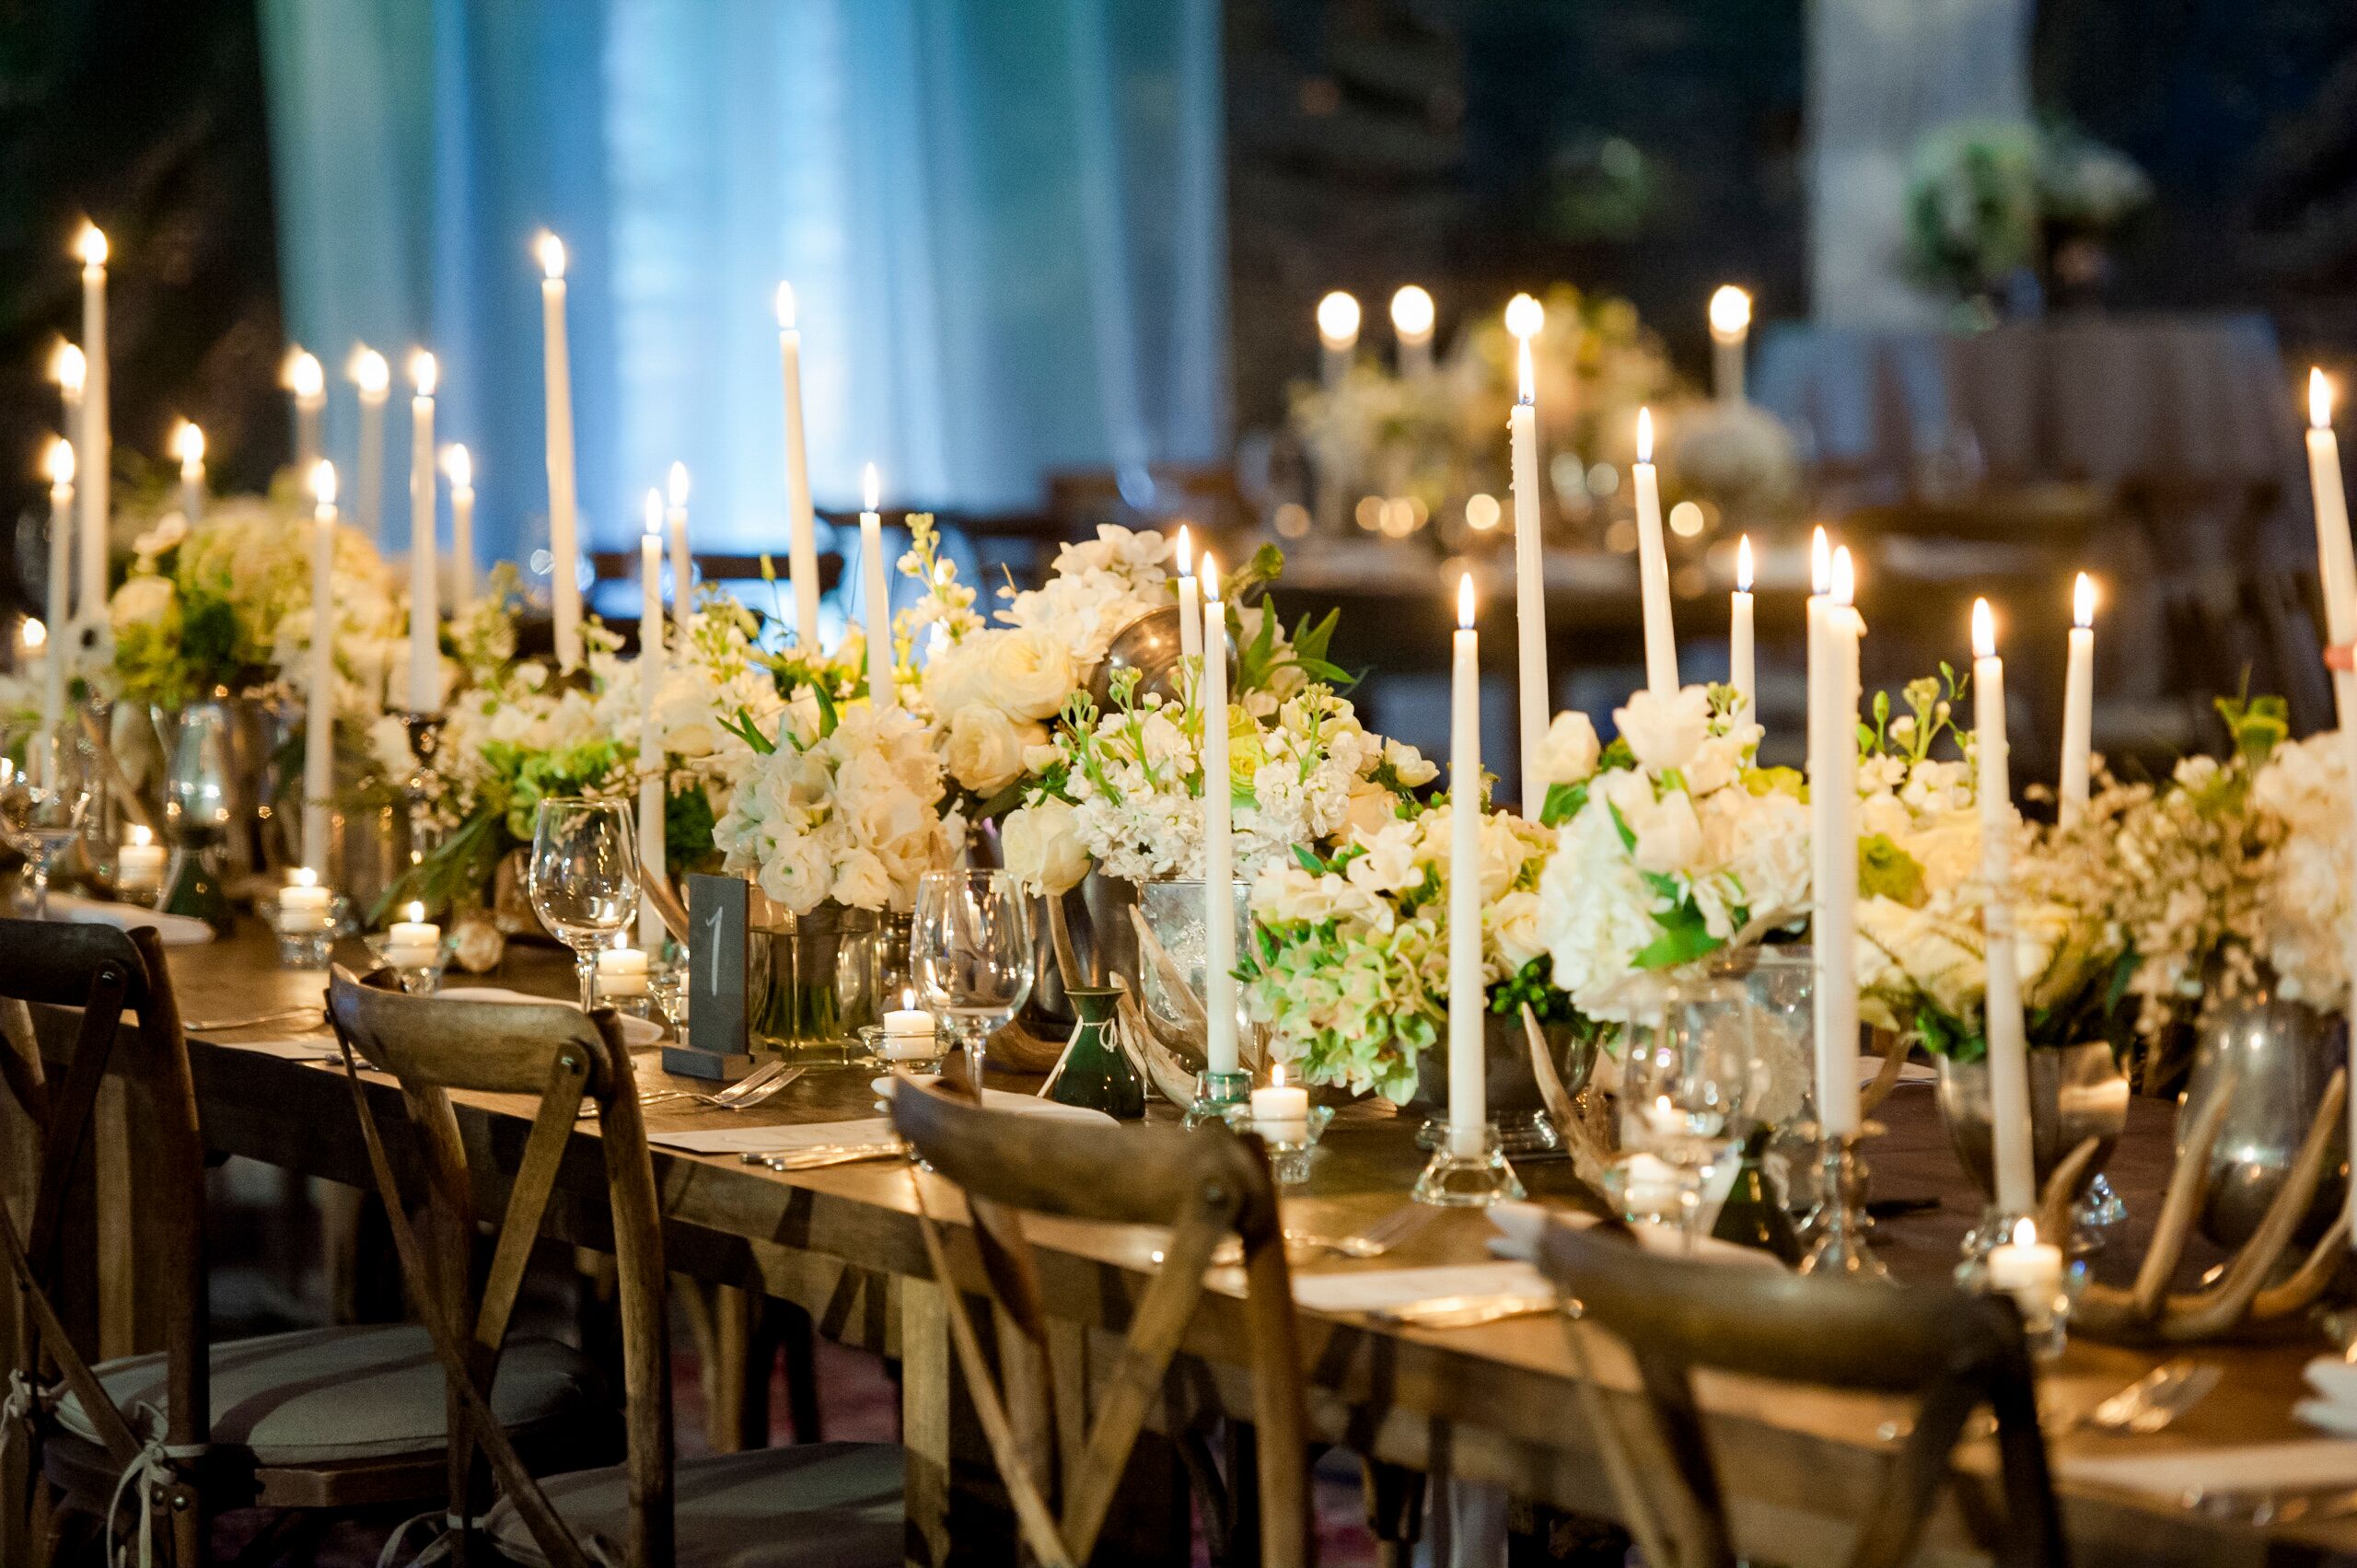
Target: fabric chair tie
column 24, row 1397
column 156, row 1465
column 433, row 1552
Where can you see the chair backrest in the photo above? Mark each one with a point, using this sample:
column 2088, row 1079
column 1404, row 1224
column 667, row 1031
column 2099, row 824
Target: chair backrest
column 1204, row 1185
column 565, row 1057
column 108, row 974
column 1951, row 1352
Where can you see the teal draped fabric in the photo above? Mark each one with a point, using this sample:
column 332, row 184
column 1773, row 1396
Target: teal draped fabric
column 1002, row 220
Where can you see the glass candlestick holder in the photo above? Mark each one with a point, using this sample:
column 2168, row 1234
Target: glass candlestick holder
column 1292, row 1146
column 1469, row 1172
column 1217, row 1093
column 917, row 1054
column 420, row 975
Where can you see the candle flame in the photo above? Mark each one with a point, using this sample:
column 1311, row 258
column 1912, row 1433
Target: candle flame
column 654, row 513
column 304, row 876
column 678, row 484
column 1412, row 312
column 1186, row 552
column 2319, row 399
column 1743, row 563
column 551, row 250
column 303, row 378
column 460, row 466
column 1730, row 311
column 784, row 306
column 908, row 999
column 1845, row 579
column 1210, row 575
column 423, row 372
column 1984, row 629
column 58, row 463
column 1464, row 601
column 870, row 488
column 1338, row 319
column 1527, row 382
column 2024, row 1232
column 416, row 913
column 1276, row 1075
column 369, row 372
column 323, row 484
column 1644, row 435
column 36, row 634
column 141, row 835
column 1525, row 316
column 2082, row 601
column 188, row 445
column 1820, row 563
column 90, row 245
column 69, row 369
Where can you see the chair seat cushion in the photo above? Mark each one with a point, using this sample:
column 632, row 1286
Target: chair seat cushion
column 321, row 1395
column 815, row 1505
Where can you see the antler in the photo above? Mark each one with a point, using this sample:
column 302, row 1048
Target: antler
column 1588, row 1160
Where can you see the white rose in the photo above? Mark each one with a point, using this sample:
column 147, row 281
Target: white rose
column 796, row 875
column 141, row 601
column 1664, row 732
column 1041, row 843
column 1570, row 750
column 1514, row 927
column 985, row 751
column 1369, row 807
column 1027, row 675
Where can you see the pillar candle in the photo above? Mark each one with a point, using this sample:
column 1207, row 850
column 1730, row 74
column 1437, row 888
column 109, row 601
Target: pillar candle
column 1190, row 605
column 1469, row 1115
column 2078, row 702
column 1525, row 316
column 1338, row 334
column 683, row 565
column 1412, row 320
column 653, row 782
column 307, row 387
column 188, row 445
column 1219, row 851
column 801, row 539
column 2009, row 1111
column 556, row 371
column 318, row 729
column 94, row 445
column 424, row 598
column 1730, row 325
column 55, row 611
column 1833, row 824
column 1741, row 672
column 374, row 379
column 460, row 466
column 874, row 597
column 2337, row 573
column 1653, row 567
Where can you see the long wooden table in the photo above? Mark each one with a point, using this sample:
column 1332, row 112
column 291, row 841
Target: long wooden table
column 1494, row 1404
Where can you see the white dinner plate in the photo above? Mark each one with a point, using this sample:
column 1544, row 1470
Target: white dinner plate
column 637, row 1033
column 1021, row 1104
column 175, row 930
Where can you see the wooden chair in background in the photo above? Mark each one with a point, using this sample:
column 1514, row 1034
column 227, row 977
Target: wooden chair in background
column 1062, row 1467
column 836, row 1502
column 317, row 1421
column 1950, row 1352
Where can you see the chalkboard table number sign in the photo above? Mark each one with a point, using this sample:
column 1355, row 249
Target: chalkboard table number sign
column 715, row 1046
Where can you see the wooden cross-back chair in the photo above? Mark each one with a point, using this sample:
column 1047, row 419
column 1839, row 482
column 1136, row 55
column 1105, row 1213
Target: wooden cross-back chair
column 1063, row 1469
column 843, row 1497
column 1952, row 1353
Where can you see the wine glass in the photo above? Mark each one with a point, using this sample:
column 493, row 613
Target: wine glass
column 584, row 878
column 44, row 797
column 970, row 947
column 1686, row 1082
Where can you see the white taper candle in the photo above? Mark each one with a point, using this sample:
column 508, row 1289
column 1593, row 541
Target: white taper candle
column 683, row 565
column 875, row 595
column 2078, row 704
column 318, row 729
column 373, row 380
column 1525, row 317
column 1191, row 600
column 1653, row 566
column 459, row 464
column 801, row 538
column 1219, row 851
column 94, row 447
column 1834, row 813
column 2337, row 572
column 424, row 587
column 653, row 785
column 1742, row 673
column 2008, row 1045
column 1469, row 1116
column 556, row 375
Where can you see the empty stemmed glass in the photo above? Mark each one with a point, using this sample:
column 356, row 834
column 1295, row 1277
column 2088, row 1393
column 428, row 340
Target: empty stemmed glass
column 970, row 947
column 1687, row 1082
column 44, row 797
column 584, row 879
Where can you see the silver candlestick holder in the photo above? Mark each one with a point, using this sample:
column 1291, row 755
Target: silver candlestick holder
column 1839, row 1244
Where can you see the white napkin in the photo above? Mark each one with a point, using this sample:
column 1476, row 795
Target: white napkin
column 1373, row 1289
column 320, row 1048
column 636, row 1032
column 1518, row 1225
column 175, row 930
column 773, row 1139
column 2297, row 1465
column 1870, row 1068
column 2335, row 1407
column 1004, row 1099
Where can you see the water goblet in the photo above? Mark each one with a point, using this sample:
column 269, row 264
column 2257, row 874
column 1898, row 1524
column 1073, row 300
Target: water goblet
column 1687, row 1082
column 584, row 879
column 970, row 948
column 44, row 797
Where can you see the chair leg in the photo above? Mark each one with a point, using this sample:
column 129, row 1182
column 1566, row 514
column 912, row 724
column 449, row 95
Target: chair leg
column 797, row 1341
column 1395, row 1512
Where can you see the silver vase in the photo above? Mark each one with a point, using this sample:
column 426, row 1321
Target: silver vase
column 2076, row 1092
column 1150, row 646
column 219, row 775
column 1510, row 1087
column 2282, row 1054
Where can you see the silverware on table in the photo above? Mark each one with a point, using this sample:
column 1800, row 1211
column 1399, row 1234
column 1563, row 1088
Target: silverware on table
column 2155, row 1400
column 750, row 1089
column 2261, row 1507
column 1463, row 1311
column 253, row 1020
column 821, row 1155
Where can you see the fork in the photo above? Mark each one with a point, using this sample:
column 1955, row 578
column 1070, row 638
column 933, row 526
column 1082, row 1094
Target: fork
column 253, row 1020
column 750, row 1089
column 2155, row 1400
column 1384, row 1234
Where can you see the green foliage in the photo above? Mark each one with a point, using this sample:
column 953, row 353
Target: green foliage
column 1886, row 871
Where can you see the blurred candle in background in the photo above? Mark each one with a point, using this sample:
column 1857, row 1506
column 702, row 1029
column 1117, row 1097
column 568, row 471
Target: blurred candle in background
column 1190, row 608
column 70, row 370
column 1469, row 1113
column 1833, row 821
column 1653, row 566
column 1219, row 848
column 875, row 594
column 58, row 465
column 2008, row 1044
column 683, row 565
column 1525, row 319
column 306, row 388
column 374, row 379
column 319, row 727
column 1411, row 319
column 1338, row 331
column 1741, row 672
column 2337, row 573
column 653, row 785
column 1730, row 325
column 801, row 539
column 187, row 446
column 460, row 466
column 94, row 442
column 556, row 376
column 425, row 590
column 2078, row 704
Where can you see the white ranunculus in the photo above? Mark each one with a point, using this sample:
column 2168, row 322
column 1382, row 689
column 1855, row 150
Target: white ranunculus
column 984, row 750
column 1568, row 754
column 1664, row 732
column 141, row 601
column 1041, row 843
column 796, row 874
column 1028, row 675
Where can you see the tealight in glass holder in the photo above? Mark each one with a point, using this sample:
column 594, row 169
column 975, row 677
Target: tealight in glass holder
column 418, row 967
column 1469, row 1170
column 917, row 1053
column 1292, row 1141
column 304, row 918
column 2037, row 1276
column 625, row 982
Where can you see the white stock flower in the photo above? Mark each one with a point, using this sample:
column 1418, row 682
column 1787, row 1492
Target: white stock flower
column 984, row 750
column 141, row 601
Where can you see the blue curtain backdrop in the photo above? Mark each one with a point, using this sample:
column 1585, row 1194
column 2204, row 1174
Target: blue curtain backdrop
column 1003, row 219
